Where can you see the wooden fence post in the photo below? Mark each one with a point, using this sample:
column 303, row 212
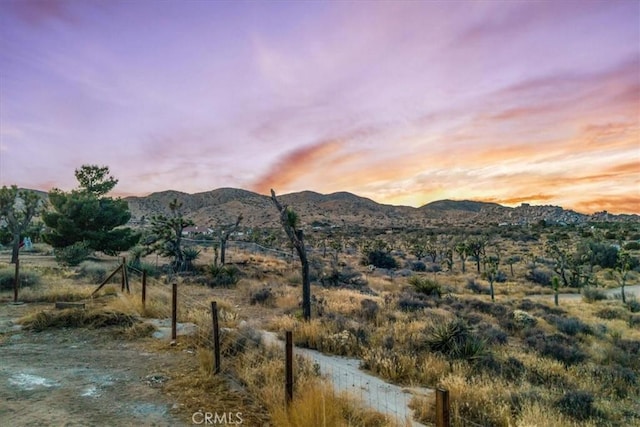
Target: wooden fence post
column 216, row 336
column 16, row 281
column 174, row 311
column 122, row 275
column 144, row 289
column 289, row 367
column 442, row 408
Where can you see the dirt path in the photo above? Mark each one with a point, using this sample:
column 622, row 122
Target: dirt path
column 628, row 291
column 345, row 375
column 78, row 377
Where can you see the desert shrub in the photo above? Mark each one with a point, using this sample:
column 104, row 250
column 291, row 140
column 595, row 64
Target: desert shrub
column 500, row 277
column 370, row 309
column 225, row 276
column 476, row 287
column 524, row 319
column 409, row 302
column 418, row 266
column 150, row 269
column 72, row 255
column 380, row 259
column 569, row 325
column 634, row 321
column 92, row 272
column 555, row 346
column 492, row 335
column 262, row 296
column 590, row 294
column 347, row 276
column 511, row 368
column 426, row 286
column 615, row 379
column 433, row 267
column 632, row 246
column 27, row 278
column 520, row 399
column 391, row 365
column 633, row 304
column 456, row 340
column 610, row 313
column 577, row 404
column 539, row 276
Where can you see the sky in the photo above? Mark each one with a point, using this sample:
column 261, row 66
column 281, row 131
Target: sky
column 401, row 102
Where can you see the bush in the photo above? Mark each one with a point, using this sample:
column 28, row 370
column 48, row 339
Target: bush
column 632, row 246
column 418, row 266
column 223, row 276
column 262, row 296
column 492, row 335
column 590, row 294
column 370, row 309
column 92, row 271
column 27, row 278
column 633, row 304
column 72, row 255
column 539, row 276
column 476, row 287
column 426, row 286
column 409, row 302
column 380, row 259
column 611, row 313
column 556, row 346
column 616, row 379
column 569, row 325
column 577, row 404
column 454, row 339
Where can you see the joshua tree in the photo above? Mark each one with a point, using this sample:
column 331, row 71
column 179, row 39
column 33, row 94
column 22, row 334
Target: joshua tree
column 556, row 284
column 492, row 262
column 461, row 249
column 622, row 267
column 17, row 209
column 290, row 222
column 167, row 231
column 476, row 248
column 225, row 233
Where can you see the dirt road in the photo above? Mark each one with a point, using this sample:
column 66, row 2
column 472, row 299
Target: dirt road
column 78, row 377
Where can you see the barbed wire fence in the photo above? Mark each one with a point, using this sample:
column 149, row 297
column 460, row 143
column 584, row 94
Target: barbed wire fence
column 233, row 340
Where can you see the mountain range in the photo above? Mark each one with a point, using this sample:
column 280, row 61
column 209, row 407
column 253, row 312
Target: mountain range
column 223, row 205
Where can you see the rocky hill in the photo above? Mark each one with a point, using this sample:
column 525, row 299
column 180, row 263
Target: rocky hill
column 223, row 205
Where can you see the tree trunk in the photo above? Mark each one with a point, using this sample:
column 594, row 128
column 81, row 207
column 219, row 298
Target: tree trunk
column 16, row 248
column 223, row 250
column 306, row 282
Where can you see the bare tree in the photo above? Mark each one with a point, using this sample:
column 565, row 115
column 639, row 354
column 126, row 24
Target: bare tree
column 289, row 220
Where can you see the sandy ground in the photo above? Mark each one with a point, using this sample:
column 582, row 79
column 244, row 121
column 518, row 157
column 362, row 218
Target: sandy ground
column 78, row 377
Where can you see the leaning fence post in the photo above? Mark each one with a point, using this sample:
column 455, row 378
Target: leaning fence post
column 16, row 281
column 144, row 289
column 442, row 408
column 289, row 367
column 174, row 311
column 216, row 336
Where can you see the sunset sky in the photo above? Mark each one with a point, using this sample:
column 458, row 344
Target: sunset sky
column 401, row 102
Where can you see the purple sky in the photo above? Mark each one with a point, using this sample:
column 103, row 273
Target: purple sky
column 402, row 102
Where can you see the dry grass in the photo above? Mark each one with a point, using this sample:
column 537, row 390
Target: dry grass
column 58, row 290
column 77, row 318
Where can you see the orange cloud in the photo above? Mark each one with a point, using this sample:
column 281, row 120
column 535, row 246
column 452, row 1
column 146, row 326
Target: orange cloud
column 296, row 164
column 614, row 204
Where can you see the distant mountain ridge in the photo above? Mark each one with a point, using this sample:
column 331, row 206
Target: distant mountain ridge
column 223, row 205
